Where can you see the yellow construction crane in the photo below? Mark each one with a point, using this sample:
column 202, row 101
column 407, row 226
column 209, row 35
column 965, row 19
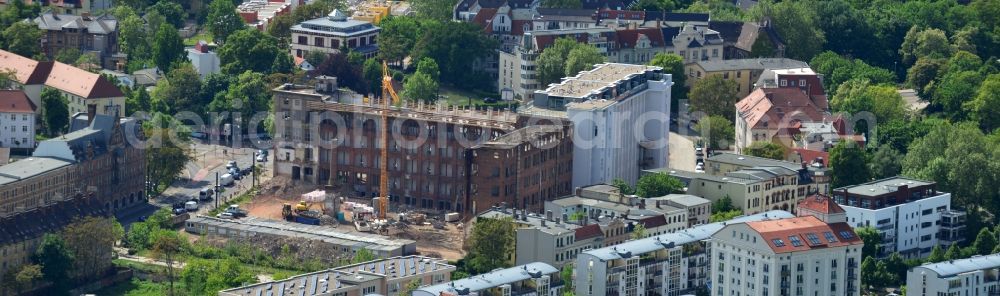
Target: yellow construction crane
column 388, row 97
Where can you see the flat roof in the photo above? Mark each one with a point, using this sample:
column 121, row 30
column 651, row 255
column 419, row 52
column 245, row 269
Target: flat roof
column 321, row 282
column 29, row 167
column 492, row 279
column 704, row 176
column 528, row 134
column 955, row 267
column 751, row 64
column 883, row 186
column 752, row 161
column 663, row 241
column 650, row 210
column 686, row 200
column 532, row 220
column 312, row 232
column 594, row 81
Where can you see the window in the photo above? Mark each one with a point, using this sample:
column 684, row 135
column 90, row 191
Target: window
column 802, row 82
column 813, row 239
column 927, row 212
column 795, row 240
column 829, row 237
column 784, row 82
column 777, row 242
column 845, row 234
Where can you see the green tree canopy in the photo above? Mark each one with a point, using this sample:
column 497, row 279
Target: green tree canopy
column 885, row 162
column 491, row 244
column 871, row 238
column 797, row 23
column 455, row 46
column 420, row 86
column 248, row 50
column 918, row 43
column 171, row 11
column 954, row 90
column 168, row 48
column 223, row 21
column 883, row 101
column 638, row 232
column 985, row 107
column 673, row 64
column 428, row 66
column 180, row 90
column 923, row 72
column 551, row 63
column 715, row 95
column 167, row 148
column 22, row 38
column 372, row 71
column 438, row 10
column 765, row 149
column 565, row 4
column 623, row 187
column 985, row 242
column 582, row 57
column 961, row 159
column 399, row 34
column 55, row 111
column 848, row 162
column 717, row 131
column 658, row 184
column 937, row 255
column 56, row 260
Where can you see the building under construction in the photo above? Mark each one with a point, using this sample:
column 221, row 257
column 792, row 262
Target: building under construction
column 440, row 157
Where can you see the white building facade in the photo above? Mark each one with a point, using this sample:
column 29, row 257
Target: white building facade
column 795, row 256
column 205, row 61
column 17, row 120
column 973, row 276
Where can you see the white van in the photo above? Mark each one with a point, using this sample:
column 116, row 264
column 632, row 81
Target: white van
column 226, row 180
column 191, row 206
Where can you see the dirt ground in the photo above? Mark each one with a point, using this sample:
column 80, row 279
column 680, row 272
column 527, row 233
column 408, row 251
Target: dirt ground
column 443, row 243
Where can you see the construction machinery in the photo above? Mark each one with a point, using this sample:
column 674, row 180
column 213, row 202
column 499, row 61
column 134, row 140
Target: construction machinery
column 388, row 97
column 302, row 206
column 305, row 217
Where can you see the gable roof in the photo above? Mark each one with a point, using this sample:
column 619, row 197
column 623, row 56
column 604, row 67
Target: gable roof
column 794, row 234
column 776, row 103
column 484, row 18
column 587, row 232
column 630, row 38
column 26, row 70
column 730, row 31
column 821, row 204
column 15, row 101
column 654, row 221
column 81, row 83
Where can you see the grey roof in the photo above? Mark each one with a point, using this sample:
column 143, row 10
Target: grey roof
column 95, row 25
column 688, row 176
column 686, row 200
column 73, row 146
column 491, row 279
column 531, row 219
column 762, row 173
column 311, row 232
column 317, row 283
column 751, row 64
column 955, row 267
column 325, row 25
column 634, row 211
column 29, row 167
column 883, row 186
column 693, row 234
column 753, row 161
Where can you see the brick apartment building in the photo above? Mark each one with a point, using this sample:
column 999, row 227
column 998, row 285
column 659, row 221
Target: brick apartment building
column 89, row 34
column 440, row 158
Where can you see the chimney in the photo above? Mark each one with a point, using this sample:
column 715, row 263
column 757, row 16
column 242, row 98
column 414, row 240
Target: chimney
column 91, row 112
column 578, row 190
column 658, row 204
column 642, row 203
column 543, row 223
column 548, row 215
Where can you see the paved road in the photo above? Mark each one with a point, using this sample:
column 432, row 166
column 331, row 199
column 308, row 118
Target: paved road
column 209, row 160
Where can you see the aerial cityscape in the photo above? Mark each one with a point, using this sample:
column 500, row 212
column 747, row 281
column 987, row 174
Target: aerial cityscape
column 500, row 147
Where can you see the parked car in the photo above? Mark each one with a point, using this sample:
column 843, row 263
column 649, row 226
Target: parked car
column 225, row 215
column 262, row 152
column 261, row 158
column 226, row 180
column 206, row 194
column 191, row 206
column 231, row 164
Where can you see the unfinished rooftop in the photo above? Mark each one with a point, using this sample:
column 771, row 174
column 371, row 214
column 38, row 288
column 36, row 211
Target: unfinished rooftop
column 318, row 99
column 597, row 82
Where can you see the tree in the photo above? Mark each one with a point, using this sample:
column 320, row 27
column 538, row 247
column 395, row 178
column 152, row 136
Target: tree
column 56, row 261
column 673, row 64
column 551, row 63
column 154, row 20
column 582, row 57
column 348, row 75
column 846, row 30
column 564, row 4
column 623, row 188
column 248, row 49
column 171, row 11
column 438, row 10
column 430, row 67
column 872, row 238
column 567, row 276
column 961, row 159
column 765, row 149
column 796, row 23
column 923, row 72
column 717, row 131
column 399, row 34
column 179, row 90
column 372, row 71
column 131, row 33
column 222, row 20
column 715, row 95
column 363, row 255
column 283, row 63
column 931, row 43
column 654, row 5
column 455, row 46
column 491, row 244
column 985, row 242
column 90, row 241
column 723, row 210
column 68, row 55
column 937, row 255
column 166, row 244
column 953, row 253
column 420, row 86
column 724, row 216
column 167, row 148
column 986, row 105
column 168, row 48
column 658, row 184
column 883, row 101
column 954, row 90
column 885, row 162
column 848, row 163
column 23, row 277
column 639, row 231
column 55, row 111
column 138, row 100
column 22, row 38
column 411, row 286
column 89, row 62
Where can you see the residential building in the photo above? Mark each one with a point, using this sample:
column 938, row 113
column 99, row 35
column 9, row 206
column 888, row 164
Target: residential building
column 254, row 230
column 793, row 256
column 332, row 33
column 547, row 239
column 619, row 114
column 78, row 7
column 86, row 92
column 595, row 202
column 259, row 13
column 388, row 277
column 17, row 120
column 699, row 209
column 524, row 168
column 668, row 264
column 782, row 100
column 744, row 40
column 822, row 207
column 523, row 280
column 752, row 190
column 744, row 72
column 90, row 35
column 815, row 178
column 204, row 60
column 970, row 276
column 906, row 212
column 466, row 10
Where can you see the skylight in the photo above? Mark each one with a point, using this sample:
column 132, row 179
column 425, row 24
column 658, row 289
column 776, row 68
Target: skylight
column 777, row 242
column 829, row 237
column 796, row 242
column 846, row 235
column 813, row 239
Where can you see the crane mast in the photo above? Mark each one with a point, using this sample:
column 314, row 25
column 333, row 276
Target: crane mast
column 388, row 97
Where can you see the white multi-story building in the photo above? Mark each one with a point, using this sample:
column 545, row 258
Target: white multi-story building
column 619, row 114
column 17, row 120
column 547, row 239
column 597, row 202
column 332, row 33
column 86, row 92
column 669, row 264
column 532, row 279
column 906, row 212
column 794, row 256
column 972, row 276
column 205, row 61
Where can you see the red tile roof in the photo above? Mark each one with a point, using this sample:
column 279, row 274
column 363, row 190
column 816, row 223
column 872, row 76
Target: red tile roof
column 15, row 101
column 807, row 155
column 484, row 18
column 655, row 221
column 629, row 38
column 587, row 232
column 81, row 83
column 787, row 231
column 821, row 204
column 26, row 70
column 517, row 27
column 779, row 106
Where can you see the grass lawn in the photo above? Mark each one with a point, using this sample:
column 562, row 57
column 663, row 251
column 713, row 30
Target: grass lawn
column 137, row 287
column 203, row 35
column 457, row 97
